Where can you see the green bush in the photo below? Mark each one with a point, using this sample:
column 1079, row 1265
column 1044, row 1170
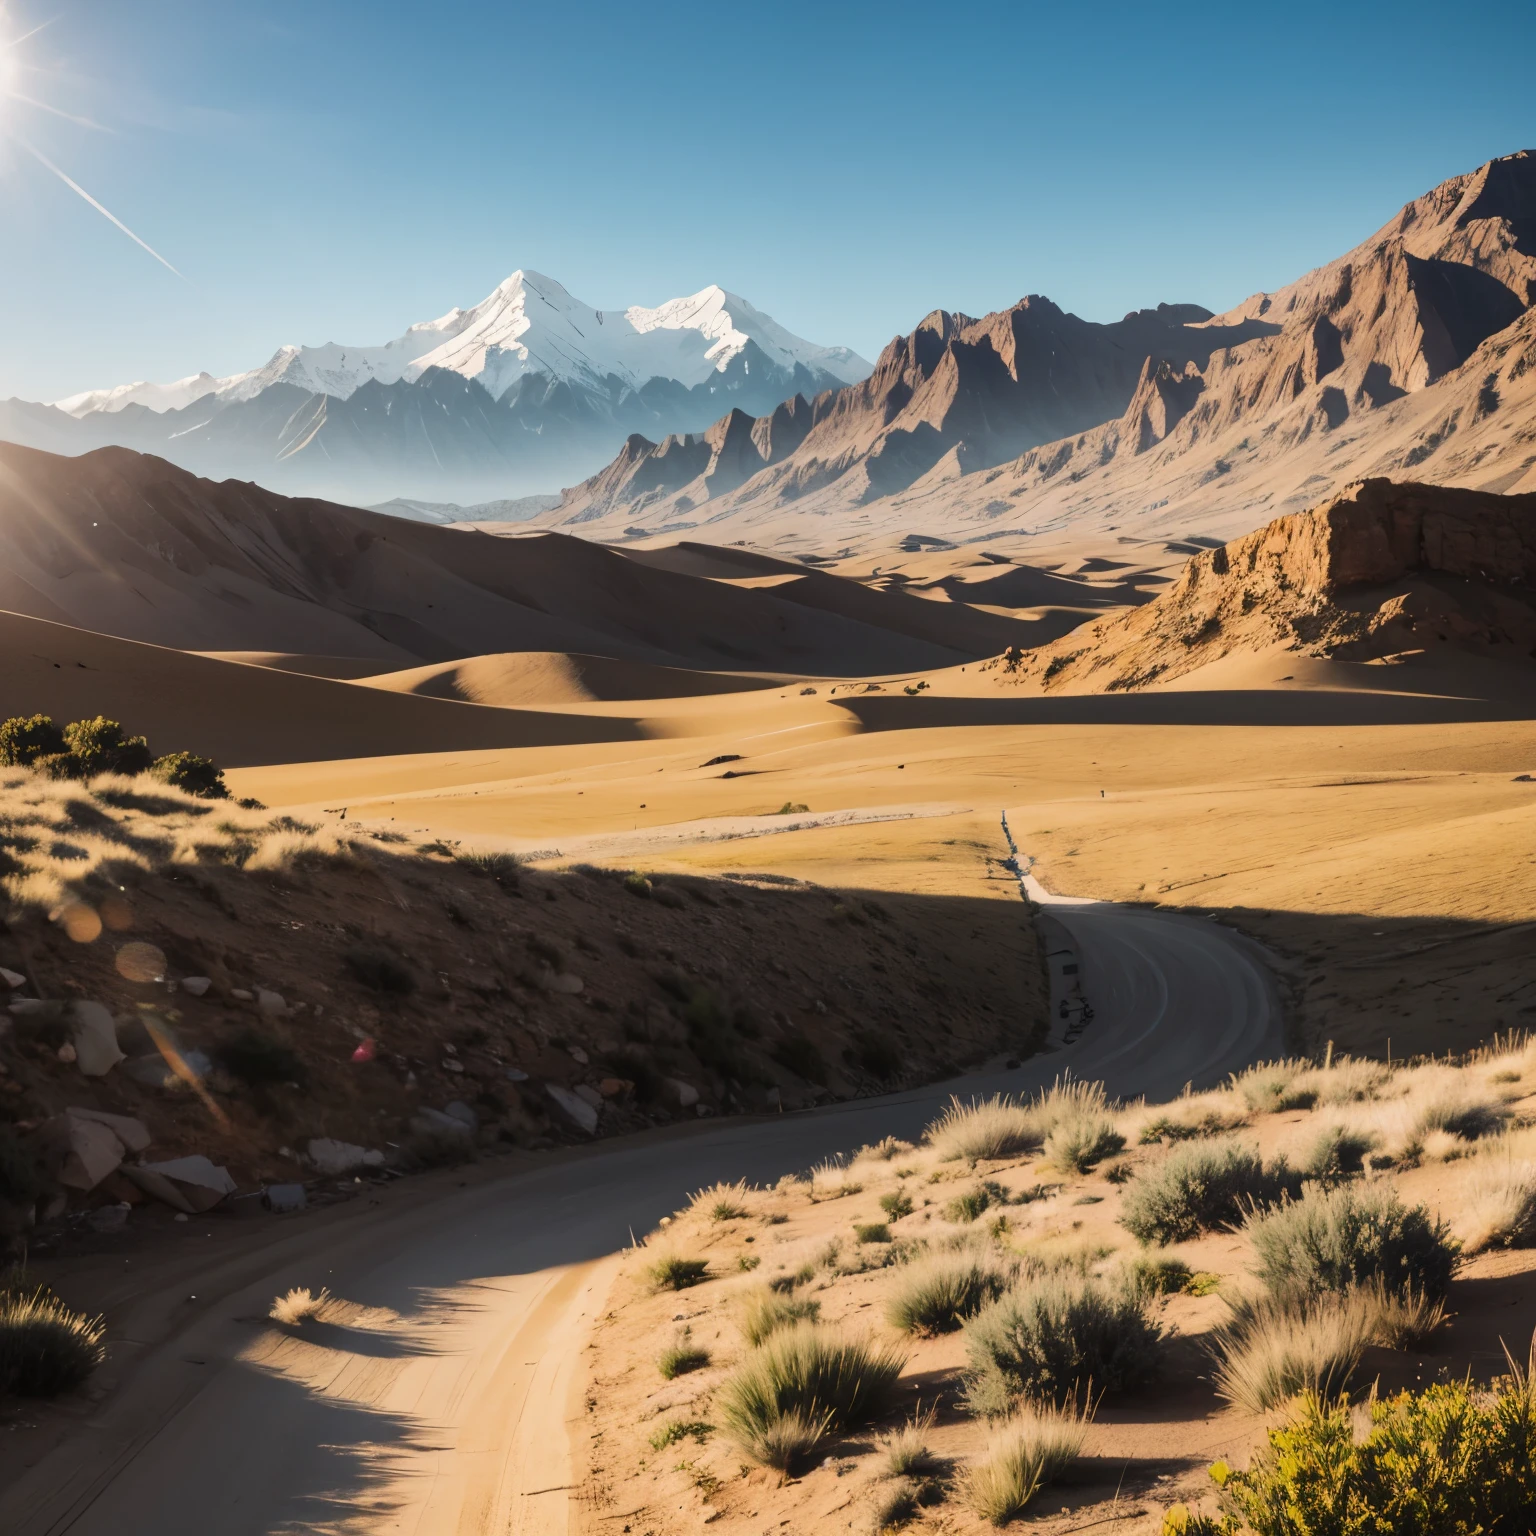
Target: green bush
column 1447, row 1461
column 681, row 1429
column 806, row 1380
column 45, row 1348
column 99, row 746
column 1200, row 1187
column 871, row 1232
column 970, row 1203
column 1055, row 1337
column 682, row 1357
column 896, row 1204
column 1159, row 1276
column 24, row 739
column 1078, row 1141
column 191, row 774
column 1332, row 1239
column 938, row 1294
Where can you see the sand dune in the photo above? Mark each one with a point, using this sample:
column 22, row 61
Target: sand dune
column 311, row 666
column 133, row 546
column 245, row 715
column 556, row 677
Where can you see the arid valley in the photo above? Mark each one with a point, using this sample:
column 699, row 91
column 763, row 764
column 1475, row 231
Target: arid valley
column 614, row 921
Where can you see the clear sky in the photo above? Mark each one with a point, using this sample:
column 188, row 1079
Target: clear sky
column 333, row 170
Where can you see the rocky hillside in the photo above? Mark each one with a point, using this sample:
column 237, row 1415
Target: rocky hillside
column 1415, row 351
column 966, row 392
column 1379, row 572
column 245, row 987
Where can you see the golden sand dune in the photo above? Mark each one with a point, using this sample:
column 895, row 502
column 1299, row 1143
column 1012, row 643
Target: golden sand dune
column 311, row 666
column 246, row 715
column 558, row 677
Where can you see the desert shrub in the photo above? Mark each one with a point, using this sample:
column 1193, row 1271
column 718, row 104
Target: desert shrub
column 1032, row 1449
column 380, row 970
column 886, row 1150
column 258, row 1060
column 1498, row 1209
column 799, row 1384
column 1200, row 1187
column 298, row 1305
column 896, row 1204
column 24, row 739
column 1268, row 1086
column 671, row 1272
column 798, row 1054
column 722, row 1202
column 872, row 1232
column 1350, row 1080
column 1271, row 1348
column 504, row 868
column 99, row 746
column 1337, row 1152
column 1404, row 1318
column 763, row 1311
column 1076, row 1142
column 675, row 1430
column 1332, row 1239
column 939, row 1293
column 1157, row 1275
column 971, row 1203
column 191, row 774
column 1052, row 1337
column 636, row 884
column 682, row 1356
column 45, row 1348
column 1447, row 1461
column 1463, row 1112
column 1174, row 1126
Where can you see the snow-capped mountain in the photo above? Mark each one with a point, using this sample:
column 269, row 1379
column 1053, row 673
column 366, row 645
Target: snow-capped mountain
column 528, row 391
column 530, row 325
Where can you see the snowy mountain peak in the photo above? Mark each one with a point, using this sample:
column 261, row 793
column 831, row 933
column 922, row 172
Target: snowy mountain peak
column 529, row 324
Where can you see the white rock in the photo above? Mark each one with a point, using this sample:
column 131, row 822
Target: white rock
column 685, row 1093
column 582, row 1113
column 66, row 1053
column 270, row 1003
column 12, row 979
column 241, row 995
column 453, row 1066
column 579, row 1055
column 94, row 1037
column 336, row 1157
column 190, row 1184
column 86, row 1150
column 196, row 986
column 590, row 1094
column 516, row 1075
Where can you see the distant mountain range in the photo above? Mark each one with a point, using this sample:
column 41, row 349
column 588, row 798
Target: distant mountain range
column 1413, row 353
column 528, row 390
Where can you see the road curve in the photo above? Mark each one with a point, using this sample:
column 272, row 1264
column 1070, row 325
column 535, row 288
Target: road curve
column 438, row 1403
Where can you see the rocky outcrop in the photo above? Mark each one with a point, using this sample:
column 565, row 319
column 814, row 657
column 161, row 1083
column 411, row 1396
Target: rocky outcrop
column 1373, row 572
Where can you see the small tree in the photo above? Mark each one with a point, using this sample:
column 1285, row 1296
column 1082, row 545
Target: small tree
column 99, row 746
column 24, row 739
column 191, row 774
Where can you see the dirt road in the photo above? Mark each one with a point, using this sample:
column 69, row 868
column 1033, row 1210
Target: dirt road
column 445, row 1393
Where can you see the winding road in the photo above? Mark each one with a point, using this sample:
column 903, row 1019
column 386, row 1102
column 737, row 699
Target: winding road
column 438, row 1404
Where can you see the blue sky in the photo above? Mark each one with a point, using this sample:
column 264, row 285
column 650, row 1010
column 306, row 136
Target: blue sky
column 336, row 169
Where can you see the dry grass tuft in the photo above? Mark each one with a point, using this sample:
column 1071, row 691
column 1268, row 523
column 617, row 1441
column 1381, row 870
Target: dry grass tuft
column 1497, row 1209
column 1272, row 1348
column 45, row 1348
column 906, row 1452
column 298, row 1306
column 763, row 1311
column 939, row 1293
column 1030, row 1450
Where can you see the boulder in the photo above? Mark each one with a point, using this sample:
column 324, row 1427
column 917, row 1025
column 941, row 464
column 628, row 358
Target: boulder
column 12, row 979
column 272, row 1004
column 337, row 1157
column 576, row 1109
column 93, row 1033
column 284, row 1197
column 83, row 1151
column 684, row 1095
column 590, row 1094
column 188, row 1184
column 461, row 1112
column 196, row 986
column 434, row 1122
